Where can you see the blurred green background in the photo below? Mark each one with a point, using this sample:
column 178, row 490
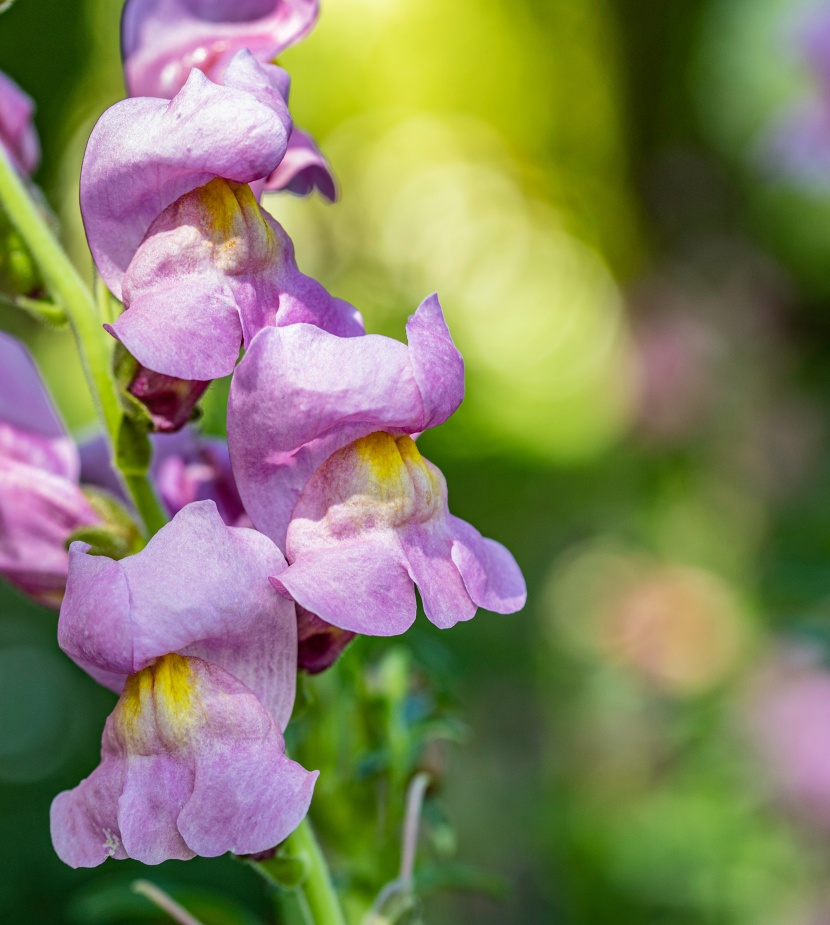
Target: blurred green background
column 645, row 314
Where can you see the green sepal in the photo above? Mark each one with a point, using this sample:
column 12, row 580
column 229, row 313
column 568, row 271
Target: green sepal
column 39, row 309
column 133, row 450
column 117, row 536
column 125, row 367
column 286, row 871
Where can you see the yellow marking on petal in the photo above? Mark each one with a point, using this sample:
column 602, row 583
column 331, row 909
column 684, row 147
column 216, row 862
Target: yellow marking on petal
column 387, row 481
column 379, row 453
column 233, row 225
column 160, row 701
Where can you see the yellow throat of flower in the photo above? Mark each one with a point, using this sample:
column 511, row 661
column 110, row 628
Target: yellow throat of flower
column 233, row 224
column 390, row 482
column 159, row 702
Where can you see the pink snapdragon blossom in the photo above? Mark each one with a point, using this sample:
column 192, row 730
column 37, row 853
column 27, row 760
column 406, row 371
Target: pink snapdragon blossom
column 18, row 137
column 41, row 502
column 177, row 233
column 162, row 40
column 319, row 430
column 189, row 467
column 203, row 653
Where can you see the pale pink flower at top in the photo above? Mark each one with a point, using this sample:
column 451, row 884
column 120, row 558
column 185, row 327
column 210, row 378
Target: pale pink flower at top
column 177, row 233
column 162, row 40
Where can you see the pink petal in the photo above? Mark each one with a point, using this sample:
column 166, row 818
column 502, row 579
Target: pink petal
column 199, row 588
column 493, row 579
column 144, row 154
column 362, row 587
column 163, row 39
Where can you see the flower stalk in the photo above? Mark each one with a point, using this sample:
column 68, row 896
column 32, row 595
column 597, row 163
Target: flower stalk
column 68, row 289
column 317, row 889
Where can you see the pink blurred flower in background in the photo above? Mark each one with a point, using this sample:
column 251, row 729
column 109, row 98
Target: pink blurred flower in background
column 788, row 719
column 41, row 501
column 18, row 137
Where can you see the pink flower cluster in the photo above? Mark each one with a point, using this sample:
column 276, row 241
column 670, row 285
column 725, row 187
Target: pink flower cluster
column 320, row 521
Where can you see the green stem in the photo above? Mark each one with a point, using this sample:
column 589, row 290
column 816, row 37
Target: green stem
column 67, row 287
column 318, row 889
column 292, row 908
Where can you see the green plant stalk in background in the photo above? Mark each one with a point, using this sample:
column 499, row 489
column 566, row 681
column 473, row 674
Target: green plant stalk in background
column 78, row 304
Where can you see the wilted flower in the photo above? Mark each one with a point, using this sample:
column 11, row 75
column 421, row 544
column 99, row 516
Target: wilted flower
column 162, row 40
column 176, row 230
column 319, row 430
column 41, row 502
column 18, row 137
column 203, row 652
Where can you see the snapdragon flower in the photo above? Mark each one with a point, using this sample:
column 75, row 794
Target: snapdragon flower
column 176, row 230
column 18, row 137
column 320, row 432
column 190, row 467
column 203, row 653
column 41, row 501
column 162, row 40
